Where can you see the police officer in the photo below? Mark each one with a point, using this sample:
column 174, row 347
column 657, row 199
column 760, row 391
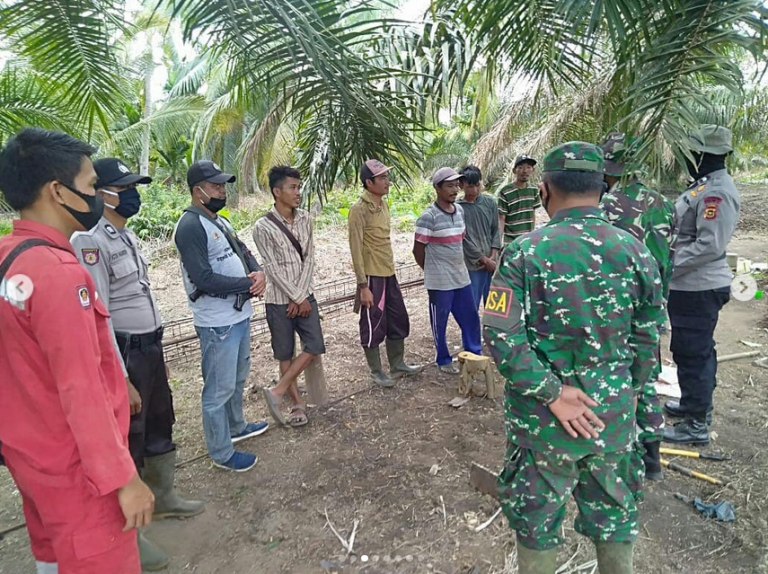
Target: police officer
column 649, row 217
column 111, row 254
column 707, row 215
column 572, row 323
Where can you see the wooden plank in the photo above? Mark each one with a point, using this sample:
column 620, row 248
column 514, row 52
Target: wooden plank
column 483, row 480
column 314, row 377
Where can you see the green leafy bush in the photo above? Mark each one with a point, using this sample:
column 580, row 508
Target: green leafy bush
column 5, row 227
column 161, row 208
column 406, row 204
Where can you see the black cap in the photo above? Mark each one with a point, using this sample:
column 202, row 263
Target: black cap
column 205, row 170
column 112, row 171
column 523, row 158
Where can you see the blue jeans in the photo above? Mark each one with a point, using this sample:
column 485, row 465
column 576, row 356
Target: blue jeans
column 226, row 364
column 461, row 305
column 481, row 284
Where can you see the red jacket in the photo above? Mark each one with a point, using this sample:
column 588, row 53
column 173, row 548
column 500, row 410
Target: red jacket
column 64, row 410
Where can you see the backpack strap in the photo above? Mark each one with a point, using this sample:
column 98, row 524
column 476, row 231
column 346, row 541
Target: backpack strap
column 18, row 250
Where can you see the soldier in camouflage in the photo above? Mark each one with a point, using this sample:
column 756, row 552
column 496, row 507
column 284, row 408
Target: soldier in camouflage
column 572, row 323
column 650, row 218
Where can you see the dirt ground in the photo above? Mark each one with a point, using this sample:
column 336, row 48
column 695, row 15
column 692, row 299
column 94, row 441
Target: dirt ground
column 368, row 458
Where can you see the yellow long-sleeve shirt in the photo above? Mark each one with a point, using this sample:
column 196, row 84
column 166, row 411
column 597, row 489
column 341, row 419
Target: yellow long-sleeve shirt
column 369, row 239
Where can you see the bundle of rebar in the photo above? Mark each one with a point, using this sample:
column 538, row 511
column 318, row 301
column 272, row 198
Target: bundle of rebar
column 180, row 343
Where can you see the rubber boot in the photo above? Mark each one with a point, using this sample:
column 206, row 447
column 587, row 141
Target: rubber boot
column 536, row 561
column 158, row 474
column 152, row 556
column 378, row 375
column 652, row 460
column 690, row 431
column 614, row 557
column 396, row 355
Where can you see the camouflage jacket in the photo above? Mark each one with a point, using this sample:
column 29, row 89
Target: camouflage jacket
column 577, row 303
column 650, row 217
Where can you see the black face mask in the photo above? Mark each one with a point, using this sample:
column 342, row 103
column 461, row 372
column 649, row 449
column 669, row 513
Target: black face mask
column 214, row 203
column 130, row 202
column 705, row 164
column 88, row 219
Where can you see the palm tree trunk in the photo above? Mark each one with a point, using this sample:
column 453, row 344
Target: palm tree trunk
column 149, row 68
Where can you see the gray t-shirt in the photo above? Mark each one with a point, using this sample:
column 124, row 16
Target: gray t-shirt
column 211, row 266
column 443, row 234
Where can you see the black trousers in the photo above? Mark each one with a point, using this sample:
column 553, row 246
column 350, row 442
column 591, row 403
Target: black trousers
column 693, row 315
column 151, row 430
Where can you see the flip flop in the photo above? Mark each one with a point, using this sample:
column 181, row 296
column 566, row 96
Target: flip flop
column 273, row 406
column 298, row 419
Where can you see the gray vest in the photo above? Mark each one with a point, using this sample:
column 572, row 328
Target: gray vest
column 216, row 310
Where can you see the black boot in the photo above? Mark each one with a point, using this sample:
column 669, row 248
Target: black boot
column 673, row 409
column 652, row 460
column 690, row 431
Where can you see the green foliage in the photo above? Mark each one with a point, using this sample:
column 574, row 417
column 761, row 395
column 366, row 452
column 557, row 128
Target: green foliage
column 161, row 208
column 406, row 203
column 5, row 227
column 243, row 218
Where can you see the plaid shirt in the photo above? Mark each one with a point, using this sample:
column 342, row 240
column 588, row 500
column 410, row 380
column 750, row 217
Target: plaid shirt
column 288, row 278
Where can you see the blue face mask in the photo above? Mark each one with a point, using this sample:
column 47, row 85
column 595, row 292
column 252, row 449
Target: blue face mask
column 130, row 202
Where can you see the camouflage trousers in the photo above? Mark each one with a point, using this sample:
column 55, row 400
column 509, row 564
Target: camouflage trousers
column 535, row 486
column 650, row 420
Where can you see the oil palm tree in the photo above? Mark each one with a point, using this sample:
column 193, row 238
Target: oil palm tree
column 643, row 66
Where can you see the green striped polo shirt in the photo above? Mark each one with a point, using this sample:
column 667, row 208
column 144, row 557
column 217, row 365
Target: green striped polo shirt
column 517, row 207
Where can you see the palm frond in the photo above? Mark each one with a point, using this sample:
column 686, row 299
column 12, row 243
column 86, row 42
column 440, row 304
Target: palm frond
column 68, row 41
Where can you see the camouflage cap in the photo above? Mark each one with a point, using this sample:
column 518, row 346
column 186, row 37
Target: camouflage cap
column 713, row 139
column 574, row 156
column 614, row 150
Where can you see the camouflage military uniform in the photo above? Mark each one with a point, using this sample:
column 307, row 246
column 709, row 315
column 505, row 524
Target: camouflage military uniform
column 577, row 303
column 650, row 218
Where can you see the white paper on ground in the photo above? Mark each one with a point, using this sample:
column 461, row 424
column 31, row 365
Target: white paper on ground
column 667, row 384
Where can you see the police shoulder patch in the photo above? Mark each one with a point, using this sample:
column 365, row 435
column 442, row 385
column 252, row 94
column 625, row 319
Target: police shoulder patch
column 84, row 296
column 90, row 255
column 711, row 204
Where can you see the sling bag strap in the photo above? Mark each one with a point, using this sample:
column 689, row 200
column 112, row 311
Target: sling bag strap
column 228, row 232
column 6, row 265
column 291, row 237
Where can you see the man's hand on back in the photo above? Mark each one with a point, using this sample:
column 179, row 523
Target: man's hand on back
column 571, row 408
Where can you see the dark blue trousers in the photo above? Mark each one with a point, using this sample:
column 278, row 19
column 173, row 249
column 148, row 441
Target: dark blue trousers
column 461, row 304
column 693, row 315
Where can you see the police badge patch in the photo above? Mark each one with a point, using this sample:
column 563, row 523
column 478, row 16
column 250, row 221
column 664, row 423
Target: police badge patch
column 710, row 207
column 90, row 256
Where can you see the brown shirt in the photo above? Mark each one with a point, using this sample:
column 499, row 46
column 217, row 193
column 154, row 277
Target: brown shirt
column 369, row 239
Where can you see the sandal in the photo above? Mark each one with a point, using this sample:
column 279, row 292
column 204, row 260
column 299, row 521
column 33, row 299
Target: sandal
column 298, row 419
column 273, row 406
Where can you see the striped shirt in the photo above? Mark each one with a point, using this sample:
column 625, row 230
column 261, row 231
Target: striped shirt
column 288, row 279
column 443, row 234
column 517, row 206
